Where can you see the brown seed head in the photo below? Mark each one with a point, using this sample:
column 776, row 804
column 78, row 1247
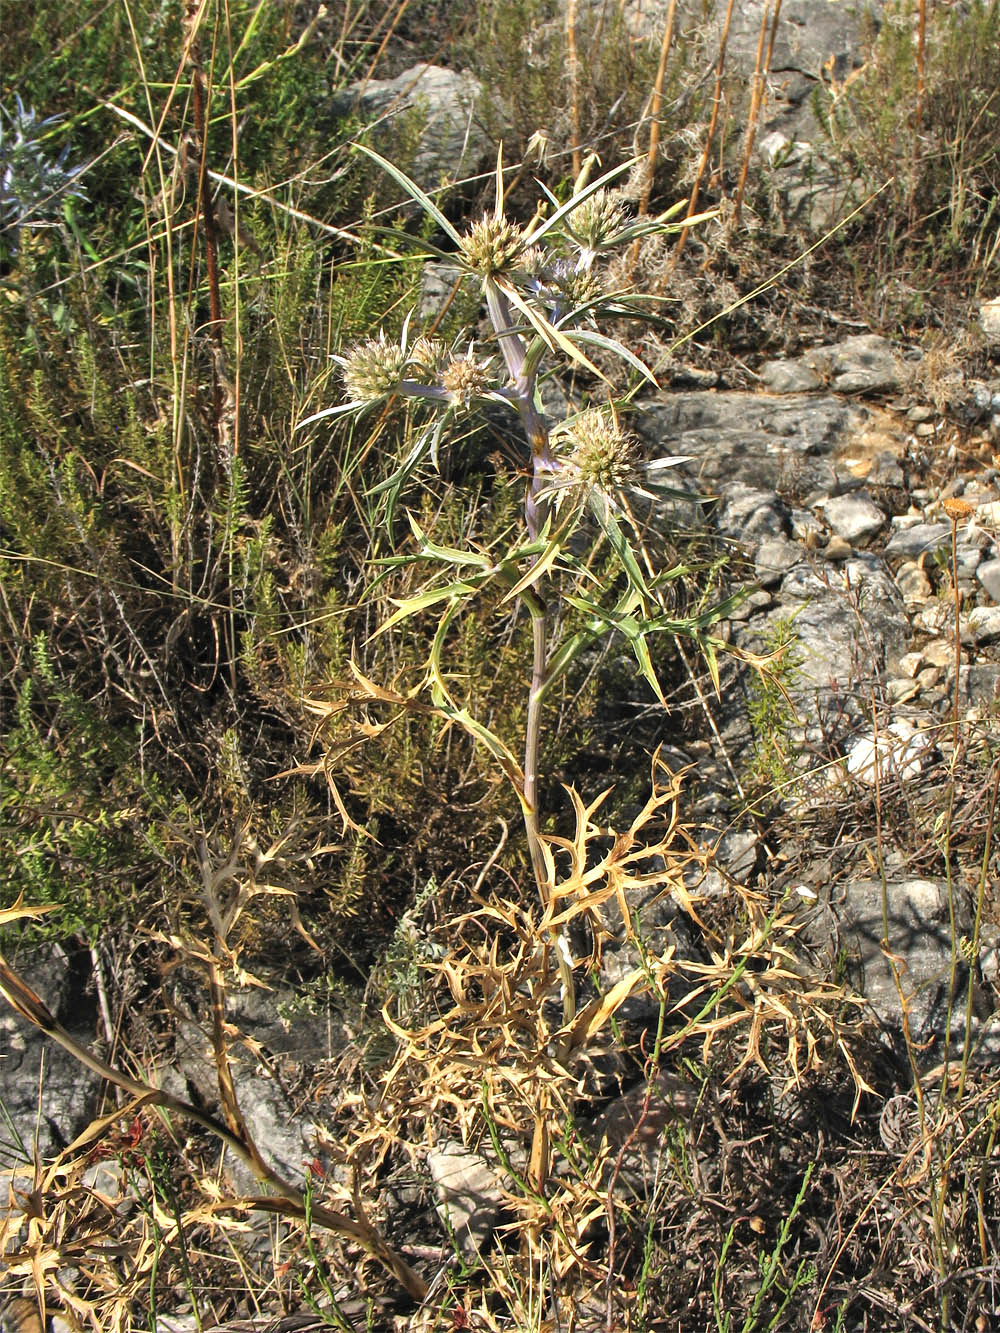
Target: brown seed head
column 957, row 509
column 465, row 378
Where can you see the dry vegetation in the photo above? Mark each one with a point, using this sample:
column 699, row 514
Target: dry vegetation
column 219, row 769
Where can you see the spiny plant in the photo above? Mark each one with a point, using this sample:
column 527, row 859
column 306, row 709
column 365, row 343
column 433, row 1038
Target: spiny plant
column 543, row 293
column 511, row 1013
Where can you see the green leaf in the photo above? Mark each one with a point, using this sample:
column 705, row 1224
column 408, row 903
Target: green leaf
column 450, row 554
column 641, row 650
column 413, row 190
column 577, row 200
column 595, row 339
column 600, row 507
column 409, row 606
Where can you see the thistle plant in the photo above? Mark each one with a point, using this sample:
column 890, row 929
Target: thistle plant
column 544, row 294
column 35, row 186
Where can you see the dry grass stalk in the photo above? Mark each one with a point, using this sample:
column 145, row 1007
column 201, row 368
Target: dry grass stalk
column 287, row 1199
column 573, row 71
column 717, row 98
column 762, row 68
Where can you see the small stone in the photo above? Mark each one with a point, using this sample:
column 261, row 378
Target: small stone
column 979, row 686
column 988, row 575
column 807, row 529
column 910, row 663
column 925, row 428
column 470, row 1194
column 969, row 558
column 933, row 617
column 758, row 600
column 853, row 517
column 862, row 364
column 751, row 514
column 775, row 556
column 989, row 319
column 737, row 852
column 902, row 689
column 920, row 412
column 693, row 377
column 899, row 752
column 838, row 548
column 789, row 377
column 913, row 583
column 928, row 677
column 939, row 653
column 984, row 622
column 918, row 538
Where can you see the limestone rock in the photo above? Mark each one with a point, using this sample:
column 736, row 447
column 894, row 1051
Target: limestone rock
column 470, row 1195
column 919, row 539
column 988, row 575
column 451, row 145
column 863, row 364
column 989, row 320
column 984, row 622
column 919, row 936
column 789, row 376
column 899, row 751
column 853, row 517
column 49, row 1096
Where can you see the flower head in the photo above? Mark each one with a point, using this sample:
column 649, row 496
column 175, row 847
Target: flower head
column 373, row 369
column 427, row 360
column 603, row 455
column 575, row 285
column 466, row 378
column 492, row 245
column 597, row 221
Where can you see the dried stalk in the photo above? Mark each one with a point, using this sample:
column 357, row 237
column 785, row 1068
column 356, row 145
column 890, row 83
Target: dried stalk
column 654, row 115
column 288, row 1199
column 762, row 68
column 573, row 69
column 709, row 137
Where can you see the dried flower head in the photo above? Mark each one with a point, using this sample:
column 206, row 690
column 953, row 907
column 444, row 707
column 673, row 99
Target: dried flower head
column 492, row 245
column 373, row 369
column 603, row 455
column 957, row 509
column 427, row 360
column 466, row 378
column 598, row 220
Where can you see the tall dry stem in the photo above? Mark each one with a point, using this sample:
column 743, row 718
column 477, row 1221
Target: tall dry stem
column 717, row 99
column 762, row 68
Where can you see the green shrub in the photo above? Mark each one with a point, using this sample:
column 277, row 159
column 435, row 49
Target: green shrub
column 936, row 140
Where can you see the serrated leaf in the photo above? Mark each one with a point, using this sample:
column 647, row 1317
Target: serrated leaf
column 641, row 649
column 601, row 509
column 450, row 554
column 409, row 606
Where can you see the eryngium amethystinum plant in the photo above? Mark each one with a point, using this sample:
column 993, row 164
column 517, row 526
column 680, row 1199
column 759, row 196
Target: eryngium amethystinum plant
column 544, row 293
column 34, row 185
